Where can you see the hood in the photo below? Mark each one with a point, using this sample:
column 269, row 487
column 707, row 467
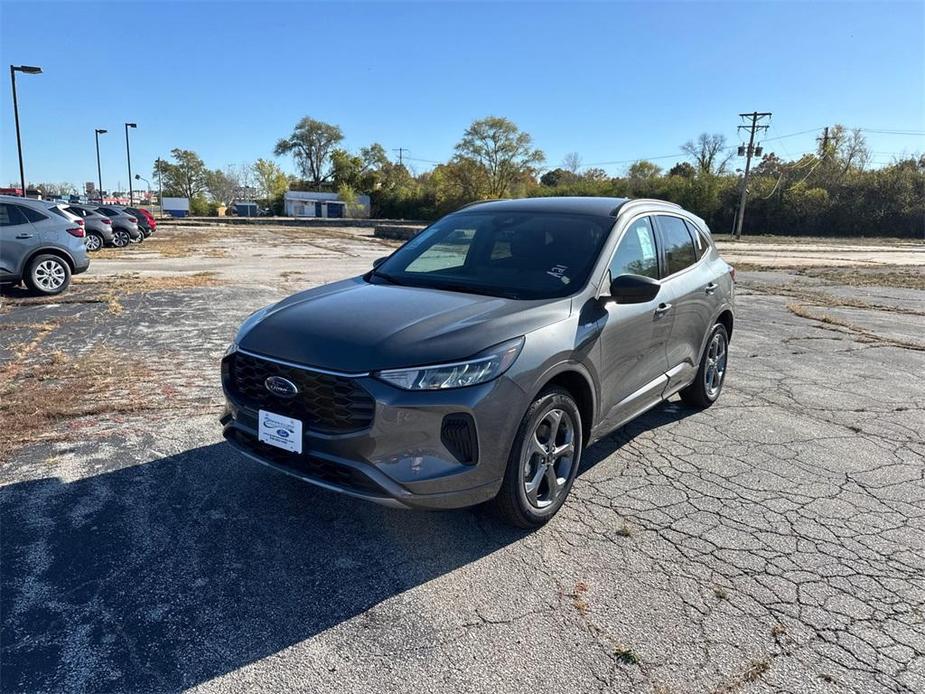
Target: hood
column 354, row 326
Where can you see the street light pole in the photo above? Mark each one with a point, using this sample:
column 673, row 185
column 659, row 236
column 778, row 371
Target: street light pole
column 29, row 70
column 160, row 194
column 99, row 170
column 128, row 154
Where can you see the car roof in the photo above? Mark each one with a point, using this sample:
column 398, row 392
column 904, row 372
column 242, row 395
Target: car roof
column 598, row 207
column 31, row 202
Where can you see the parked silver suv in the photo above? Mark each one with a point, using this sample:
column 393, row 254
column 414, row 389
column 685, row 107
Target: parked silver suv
column 478, row 360
column 98, row 226
column 38, row 247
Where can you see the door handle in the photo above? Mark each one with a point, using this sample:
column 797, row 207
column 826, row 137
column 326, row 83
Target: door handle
column 662, row 309
column 710, row 288
column 24, row 236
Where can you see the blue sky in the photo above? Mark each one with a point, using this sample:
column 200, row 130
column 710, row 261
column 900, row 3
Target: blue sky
column 612, row 81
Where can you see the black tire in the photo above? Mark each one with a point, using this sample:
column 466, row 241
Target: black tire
column 94, row 241
column 700, row 394
column 47, row 274
column 512, row 502
column 120, row 238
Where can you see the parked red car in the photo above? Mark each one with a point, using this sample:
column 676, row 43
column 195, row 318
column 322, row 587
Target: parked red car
column 145, row 219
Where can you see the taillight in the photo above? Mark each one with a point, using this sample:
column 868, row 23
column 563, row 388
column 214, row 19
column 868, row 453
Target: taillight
column 732, row 273
column 106, row 220
column 76, row 231
column 79, row 222
column 133, row 220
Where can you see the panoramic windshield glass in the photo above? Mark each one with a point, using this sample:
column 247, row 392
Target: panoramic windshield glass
column 520, row 255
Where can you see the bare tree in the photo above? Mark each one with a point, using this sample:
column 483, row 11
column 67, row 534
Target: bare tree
column 572, row 162
column 709, row 153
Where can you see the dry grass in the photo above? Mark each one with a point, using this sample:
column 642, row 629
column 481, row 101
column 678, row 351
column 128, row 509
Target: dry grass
column 38, row 396
column 904, row 276
column 867, row 335
column 796, row 241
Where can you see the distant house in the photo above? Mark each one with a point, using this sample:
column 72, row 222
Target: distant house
column 299, row 203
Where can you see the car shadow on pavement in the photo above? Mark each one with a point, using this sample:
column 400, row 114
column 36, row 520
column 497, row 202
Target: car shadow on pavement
column 163, row 575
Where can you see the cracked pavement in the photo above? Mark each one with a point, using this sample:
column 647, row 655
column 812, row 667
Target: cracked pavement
column 773, row 543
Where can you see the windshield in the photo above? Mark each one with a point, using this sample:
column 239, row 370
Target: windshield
column 520, row 255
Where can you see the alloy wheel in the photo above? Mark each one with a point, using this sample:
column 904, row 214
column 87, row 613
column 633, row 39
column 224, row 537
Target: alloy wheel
column 548, row 457
column 715, row 369
column 94, row 242
column 49, row 275
column 120, row 239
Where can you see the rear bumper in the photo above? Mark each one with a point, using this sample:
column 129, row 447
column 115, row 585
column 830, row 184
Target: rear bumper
column 403, row 458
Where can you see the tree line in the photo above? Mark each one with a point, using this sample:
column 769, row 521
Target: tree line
column 831, row 191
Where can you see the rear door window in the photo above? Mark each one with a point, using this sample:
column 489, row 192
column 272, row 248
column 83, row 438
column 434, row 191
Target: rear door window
column 32, row 215
column 700, row 241
column 678, row 243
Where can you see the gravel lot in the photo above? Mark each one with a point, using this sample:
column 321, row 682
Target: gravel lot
column 775, row 542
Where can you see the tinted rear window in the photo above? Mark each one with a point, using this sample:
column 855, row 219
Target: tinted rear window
column 11, row 215
column 679, row 246
column 36, row 216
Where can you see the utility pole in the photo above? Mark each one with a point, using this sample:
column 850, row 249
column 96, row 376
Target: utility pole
column 401, row 151
column 99, row 171
column 824, row 140
column 754, row 126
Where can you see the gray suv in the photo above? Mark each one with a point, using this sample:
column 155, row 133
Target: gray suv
column 38, row 247
column 478, row 360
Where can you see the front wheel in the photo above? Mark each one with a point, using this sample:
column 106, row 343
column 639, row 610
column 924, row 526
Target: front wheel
column 543, row 462
column 706, row 388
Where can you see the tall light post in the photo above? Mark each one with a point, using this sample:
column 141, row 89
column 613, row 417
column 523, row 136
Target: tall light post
column 128, row 154
column 160, row 189
column 29, row 70
column 99, row 170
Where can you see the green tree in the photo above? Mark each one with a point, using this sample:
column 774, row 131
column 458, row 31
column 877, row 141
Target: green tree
column 271, row 181
column 643, row 169
column 311, row 144
column 683, row 169
column 185, row 176
column 502, row 151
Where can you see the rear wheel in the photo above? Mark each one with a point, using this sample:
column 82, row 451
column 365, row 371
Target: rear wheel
column 706, row 388
column 48, row 274
column 120, row 238
column 543, row 462
column 94, row 241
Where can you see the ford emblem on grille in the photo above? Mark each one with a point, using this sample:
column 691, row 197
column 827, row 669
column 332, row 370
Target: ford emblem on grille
column 280, row 386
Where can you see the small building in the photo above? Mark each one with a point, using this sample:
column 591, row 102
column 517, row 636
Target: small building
column 176, row 207
column 300, row 203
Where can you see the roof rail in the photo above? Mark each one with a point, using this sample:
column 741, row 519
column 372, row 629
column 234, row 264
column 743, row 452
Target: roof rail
column 479, row 202
column 636, row 201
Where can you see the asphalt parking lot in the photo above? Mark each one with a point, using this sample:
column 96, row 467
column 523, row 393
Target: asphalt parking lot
column 775, row 542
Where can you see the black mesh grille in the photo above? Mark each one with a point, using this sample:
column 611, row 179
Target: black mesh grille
column 316, row 468
column 325, row 403
column 459, row 436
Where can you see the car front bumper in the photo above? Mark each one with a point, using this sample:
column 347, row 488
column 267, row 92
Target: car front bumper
column 404, row 457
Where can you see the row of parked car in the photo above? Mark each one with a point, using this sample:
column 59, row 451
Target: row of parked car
column 44, row 243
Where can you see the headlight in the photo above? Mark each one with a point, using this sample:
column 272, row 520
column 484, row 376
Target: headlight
column 481, row 368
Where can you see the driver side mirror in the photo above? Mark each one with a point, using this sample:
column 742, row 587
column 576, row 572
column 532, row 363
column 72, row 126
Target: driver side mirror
column 634, row 289
column 378, row 261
